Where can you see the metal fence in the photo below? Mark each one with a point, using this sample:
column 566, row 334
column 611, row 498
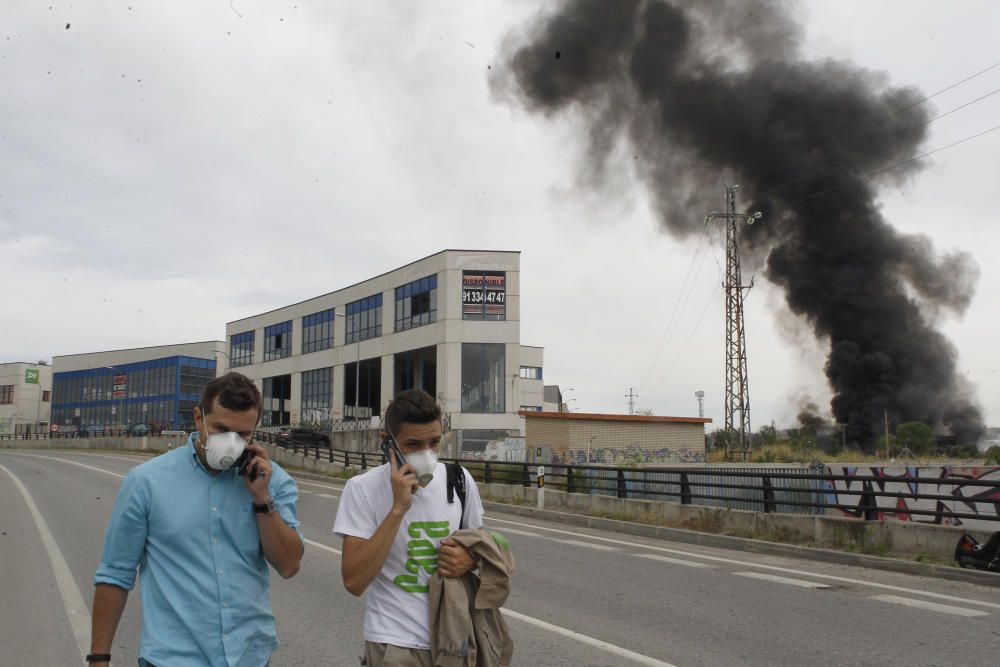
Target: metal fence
column 786, row 490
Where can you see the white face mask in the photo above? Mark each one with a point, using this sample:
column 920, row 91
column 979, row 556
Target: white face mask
column 424, row 462
column 222, row 449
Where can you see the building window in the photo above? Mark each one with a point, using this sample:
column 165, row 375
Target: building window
column 276, row 398
column 484, row 295
column 416, row 303
column 364, row 319
column 531, row 373
column 317, row 331
column 278, row 341
column 531, row 408
column 241, row 348
column 317, row 395
column 6, row 394
column 363, row 391
column 46, row 396
column 483, row 385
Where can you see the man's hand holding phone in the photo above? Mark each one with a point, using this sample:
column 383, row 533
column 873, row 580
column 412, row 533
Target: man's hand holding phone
column 256, row 471
column 404, row 482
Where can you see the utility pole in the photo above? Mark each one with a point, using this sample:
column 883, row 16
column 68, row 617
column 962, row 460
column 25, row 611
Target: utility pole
column 631, row 401
column 700, row 395
column 737, row 400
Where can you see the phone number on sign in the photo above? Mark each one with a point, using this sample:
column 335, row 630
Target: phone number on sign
column 479, row 296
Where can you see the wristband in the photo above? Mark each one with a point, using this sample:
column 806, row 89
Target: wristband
column 98, row 657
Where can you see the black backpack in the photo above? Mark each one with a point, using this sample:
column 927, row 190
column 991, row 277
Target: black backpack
column 456, row 483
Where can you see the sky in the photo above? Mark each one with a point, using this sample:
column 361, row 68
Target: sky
column 168, row 167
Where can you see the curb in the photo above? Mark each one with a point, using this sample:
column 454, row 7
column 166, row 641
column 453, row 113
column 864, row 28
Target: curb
column 732, row 543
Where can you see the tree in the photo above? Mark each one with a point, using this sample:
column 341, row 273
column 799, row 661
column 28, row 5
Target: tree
column 918, row 437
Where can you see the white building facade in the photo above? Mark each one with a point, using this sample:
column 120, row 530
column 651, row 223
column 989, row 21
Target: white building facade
column 25, row 397
column 448, row 324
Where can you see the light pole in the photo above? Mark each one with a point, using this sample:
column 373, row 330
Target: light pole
column 565, row 402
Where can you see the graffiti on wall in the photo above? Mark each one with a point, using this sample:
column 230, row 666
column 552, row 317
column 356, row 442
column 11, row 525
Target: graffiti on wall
column 904, row 483
column 631, row 455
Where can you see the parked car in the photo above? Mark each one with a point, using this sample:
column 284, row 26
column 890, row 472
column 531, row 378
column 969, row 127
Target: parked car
column 302, row 436
column 138, row 429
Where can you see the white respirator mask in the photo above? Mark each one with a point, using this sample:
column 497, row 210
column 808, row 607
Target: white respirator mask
column 424, row 462
column 223, row 449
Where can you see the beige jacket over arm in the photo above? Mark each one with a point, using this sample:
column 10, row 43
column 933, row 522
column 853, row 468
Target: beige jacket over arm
column 467, row 629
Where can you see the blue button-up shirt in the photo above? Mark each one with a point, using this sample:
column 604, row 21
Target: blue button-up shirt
column 194, row 539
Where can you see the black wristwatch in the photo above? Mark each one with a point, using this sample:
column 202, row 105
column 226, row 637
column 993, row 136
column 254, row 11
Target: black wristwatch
column 264, row 508
column 98, row 657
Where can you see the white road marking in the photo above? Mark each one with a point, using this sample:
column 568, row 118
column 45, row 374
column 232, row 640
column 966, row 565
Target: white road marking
column 75, row 463
column 590, row 545
column 306, row 491
column 323, row 547
column 930, row 606
column 733, row 561
column 668, row 559
column 322, row 486
column 515, row 531
column 584, row 639
column 325, row 495
column 781, row 580
column 590, row 641
column 76, row 608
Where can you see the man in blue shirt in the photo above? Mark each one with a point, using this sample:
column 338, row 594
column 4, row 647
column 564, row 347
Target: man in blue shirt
column 201, row 524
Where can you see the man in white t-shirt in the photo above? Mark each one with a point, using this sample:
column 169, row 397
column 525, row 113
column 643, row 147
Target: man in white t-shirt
column 395, row 521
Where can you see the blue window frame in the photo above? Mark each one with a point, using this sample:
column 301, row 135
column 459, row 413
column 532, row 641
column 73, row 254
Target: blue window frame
column 364, row 318
column 241, row 348
column 278, row 341
column 416, row 303
column 317, row 331
column 156, row 392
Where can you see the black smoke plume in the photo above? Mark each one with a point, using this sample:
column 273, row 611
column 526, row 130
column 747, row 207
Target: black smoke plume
column 688, row 92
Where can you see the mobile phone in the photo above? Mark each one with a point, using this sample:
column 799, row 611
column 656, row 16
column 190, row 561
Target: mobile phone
column 387, row 444
column 244, row 467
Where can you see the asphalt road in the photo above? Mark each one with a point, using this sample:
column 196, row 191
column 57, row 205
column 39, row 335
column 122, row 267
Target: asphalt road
column 580, row 596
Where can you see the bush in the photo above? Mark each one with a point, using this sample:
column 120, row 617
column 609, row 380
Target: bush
column 993, row 455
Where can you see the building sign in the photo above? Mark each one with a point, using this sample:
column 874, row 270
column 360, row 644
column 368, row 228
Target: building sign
column 484, row 295
column 31, row 375
column 118, row 389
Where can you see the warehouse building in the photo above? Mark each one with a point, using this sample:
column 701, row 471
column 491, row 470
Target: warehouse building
column 153, row 386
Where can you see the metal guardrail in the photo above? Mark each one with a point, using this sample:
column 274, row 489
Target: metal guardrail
column 791, row 491
column 95, row 433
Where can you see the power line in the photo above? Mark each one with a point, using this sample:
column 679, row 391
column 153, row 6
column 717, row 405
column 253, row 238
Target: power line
column 694, row 330
column 944, row 90
column 891, row 115
column 891, row 166
column 843, row 161
column 680, row 296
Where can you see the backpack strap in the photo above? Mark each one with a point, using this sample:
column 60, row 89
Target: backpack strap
column 456, row 482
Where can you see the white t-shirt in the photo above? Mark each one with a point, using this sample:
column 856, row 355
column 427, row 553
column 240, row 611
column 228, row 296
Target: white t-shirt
column 397, row 610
